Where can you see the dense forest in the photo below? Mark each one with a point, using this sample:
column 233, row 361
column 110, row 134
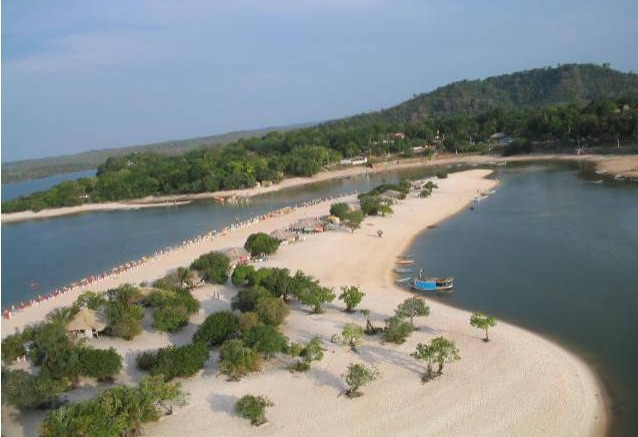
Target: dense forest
column 611, row 119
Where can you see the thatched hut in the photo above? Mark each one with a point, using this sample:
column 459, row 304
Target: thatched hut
column 87, row 323
column 236, row 255
column 285, row 236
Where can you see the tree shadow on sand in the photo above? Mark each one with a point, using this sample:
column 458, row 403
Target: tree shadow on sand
column 222, row 403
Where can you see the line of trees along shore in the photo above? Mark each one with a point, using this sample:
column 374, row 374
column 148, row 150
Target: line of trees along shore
column 305, row 152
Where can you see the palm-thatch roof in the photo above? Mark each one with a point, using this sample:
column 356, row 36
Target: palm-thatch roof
column 87, row 319
column 236, row 254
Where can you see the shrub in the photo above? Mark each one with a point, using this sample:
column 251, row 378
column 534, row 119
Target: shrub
column 241, row 274
column 213, row 267
column 217, row 328
column 253, row 408
column 266, row 340
column 357, row 376
column 260, row 243
column 99, row 364
column 173, row 362
column 248, row 320
column 115, row 412
column 352, row 335
column 314, row 295
column 246, row 299
column 351, row 296
column 397, row 330
column 12, row 348
column 271, row 310
column 91, row 300
column 124, row 315
column 236, row 360
column 172, row 309
column 441, row 174
column 305, row 354
column 25, row 391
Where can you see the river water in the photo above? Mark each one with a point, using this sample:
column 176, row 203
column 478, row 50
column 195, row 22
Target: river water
column 17, row 189
column 558, row 254
column 550, row 251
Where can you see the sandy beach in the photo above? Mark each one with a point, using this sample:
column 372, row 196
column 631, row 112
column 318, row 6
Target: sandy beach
column 625, row 166
column 519, row 384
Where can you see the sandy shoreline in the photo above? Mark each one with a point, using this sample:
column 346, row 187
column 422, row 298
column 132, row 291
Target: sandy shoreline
column 626, row 166
column 518, row 384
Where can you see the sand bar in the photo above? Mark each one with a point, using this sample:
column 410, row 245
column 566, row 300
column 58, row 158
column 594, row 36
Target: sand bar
column 518, row 384
column 621, row 164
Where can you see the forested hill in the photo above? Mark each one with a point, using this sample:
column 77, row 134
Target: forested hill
column 540, row 87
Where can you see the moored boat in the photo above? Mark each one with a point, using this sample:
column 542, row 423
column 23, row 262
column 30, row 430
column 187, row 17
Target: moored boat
column 404, row 280
column 405, row 262
column 402, row 270
column 434, row 284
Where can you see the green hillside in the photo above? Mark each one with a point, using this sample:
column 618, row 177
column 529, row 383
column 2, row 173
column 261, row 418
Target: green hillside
column 540, row 87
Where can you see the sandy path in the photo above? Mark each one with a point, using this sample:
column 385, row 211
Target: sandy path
column 518, row 384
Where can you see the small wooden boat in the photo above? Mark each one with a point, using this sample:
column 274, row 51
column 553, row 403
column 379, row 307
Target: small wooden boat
column 433, row 284
column 402, row 270
column 408, row 256
column 404, row 280
column 405, row 262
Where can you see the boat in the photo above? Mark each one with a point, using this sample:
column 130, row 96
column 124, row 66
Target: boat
column 434, row 284
column 404, row 280
column 405, row 262
column 405, row 256
column 402, row 270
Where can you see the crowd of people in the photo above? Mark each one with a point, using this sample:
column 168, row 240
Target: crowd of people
column 82, row 284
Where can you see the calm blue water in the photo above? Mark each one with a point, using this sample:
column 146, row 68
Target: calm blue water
column 17, row 189
column 41, row 255
column 553, row 252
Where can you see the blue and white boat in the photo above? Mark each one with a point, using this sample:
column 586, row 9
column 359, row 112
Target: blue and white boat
column 433, row 284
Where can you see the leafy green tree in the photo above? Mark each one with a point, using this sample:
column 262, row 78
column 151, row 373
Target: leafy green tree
column 352, row 335
column 115, row 412
column 26, row 391
column 266, row 340
column 246, row 298
column 213, row 267
column 340, row 210
column 185, row 278
column 241, row 274
column 100, row 364
column 271, row 310
column 174, row 361
column 237, row 360
column 90, row 299
column 124, row 314
column 315, row 296
column 413, row 307
column 440, row 350
column 13, row 348
column 351, row 296
column 397, row 330
column 172, row 308
column 253, row 408
column 279, row 282
column 480, row 320
column 357, row 376
column 353, row 220
column 217, row 328
column 261, row 244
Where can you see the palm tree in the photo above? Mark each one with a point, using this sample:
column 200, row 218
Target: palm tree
column 62, row 315
column 186, row 277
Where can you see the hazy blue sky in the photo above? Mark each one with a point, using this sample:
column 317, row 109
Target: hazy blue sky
column 89, row 74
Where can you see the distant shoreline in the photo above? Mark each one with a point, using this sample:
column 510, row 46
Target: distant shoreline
column 613, row 165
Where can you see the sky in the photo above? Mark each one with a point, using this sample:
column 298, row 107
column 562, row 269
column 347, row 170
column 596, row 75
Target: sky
column 80, row 75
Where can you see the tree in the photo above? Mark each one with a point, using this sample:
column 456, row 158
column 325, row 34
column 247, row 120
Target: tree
column 266, row 340
column 315, row 296
column 370, row 328
column 172, row 308
column 271, row 310
column 100, row 364
column 253, row 408
column 340, row 210
column 248, row 320
column 174, row 361
column 413, row 307
column 217, row 328
column 353, row 220
column 351, row 296
column 305, row 354
column 440, row 350
column 246, row 299
column 13, row 348
column 357, row 376
column 427, row 353
column 352, row 335
column 26, row 391
column 261, row 244
column 124, row 314
column 241, row 274
column 397, row 330
column 185, row 278
column 213, row 267
column 236, row 360
column 483, row 321
column 115, row 412
column 90, row 299
column 61, row 316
